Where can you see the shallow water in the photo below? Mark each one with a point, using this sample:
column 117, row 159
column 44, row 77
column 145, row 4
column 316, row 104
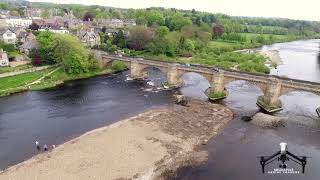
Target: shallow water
column 59, row 114
column 233, row 154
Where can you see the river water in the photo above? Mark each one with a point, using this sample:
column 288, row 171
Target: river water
column 59, row 114
column 233, row 154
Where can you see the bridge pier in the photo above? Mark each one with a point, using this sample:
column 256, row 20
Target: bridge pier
column 270, row 101
column 173, row 78
column 136, row 70
column 217, row 90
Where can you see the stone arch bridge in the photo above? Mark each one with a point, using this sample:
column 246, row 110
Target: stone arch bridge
column 272, row 86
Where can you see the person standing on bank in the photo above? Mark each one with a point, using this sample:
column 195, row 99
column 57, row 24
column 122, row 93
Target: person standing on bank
column 45, row 147
column 38, row 145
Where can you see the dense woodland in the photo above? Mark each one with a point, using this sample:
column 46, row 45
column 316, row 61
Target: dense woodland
column 187, row 36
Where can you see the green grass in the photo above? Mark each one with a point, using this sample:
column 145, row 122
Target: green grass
column 13, row 84
column 217, row 95
column 17, row 68
column 60, row 76
column 118, row 66
column 14, row 53
column 21, row 79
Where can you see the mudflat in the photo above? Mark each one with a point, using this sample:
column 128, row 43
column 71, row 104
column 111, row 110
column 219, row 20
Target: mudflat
column 151, row 145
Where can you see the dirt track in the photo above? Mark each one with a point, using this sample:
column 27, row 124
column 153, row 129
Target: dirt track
column 152, row 145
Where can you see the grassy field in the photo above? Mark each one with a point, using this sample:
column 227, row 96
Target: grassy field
column 17, row 68
column 60, row 76
column 18, row 83
column 21, row 79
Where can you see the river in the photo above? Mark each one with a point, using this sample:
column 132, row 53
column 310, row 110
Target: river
column 59, row 114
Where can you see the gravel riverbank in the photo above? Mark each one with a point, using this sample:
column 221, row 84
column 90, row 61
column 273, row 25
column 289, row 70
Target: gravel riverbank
column 152, row 145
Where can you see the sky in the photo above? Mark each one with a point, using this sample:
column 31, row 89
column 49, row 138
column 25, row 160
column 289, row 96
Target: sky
column 292, row 9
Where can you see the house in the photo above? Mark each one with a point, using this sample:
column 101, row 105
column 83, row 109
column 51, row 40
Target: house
column 21, row 34
column 90, row 38
column 111, row 32
column 29, row 44
column 8, row 36
column 4, row 13
column 18, row 22
column 60, row 30
column 4, row 61
column 115, row 23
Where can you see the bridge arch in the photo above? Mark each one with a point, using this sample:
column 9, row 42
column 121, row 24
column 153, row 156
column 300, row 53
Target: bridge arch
column 260, row 86
column 194, row 85
column 286, row 90
column 145, row 69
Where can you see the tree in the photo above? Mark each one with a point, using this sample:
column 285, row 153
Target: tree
column 139, row 37
column 34, row 26
column 14, row 13
column 88, row 16
column 162, row 31
column 177, row 21
column 119, row 40
column 45, row 14
column 36, row 58
column 115, row 13
column 72, row 54
column 218, row 30
column 104, row 29
column 46, row 47
column 155, row 17
column 161, row 44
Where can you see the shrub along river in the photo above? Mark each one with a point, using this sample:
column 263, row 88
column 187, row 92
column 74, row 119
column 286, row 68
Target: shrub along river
column 59, row 114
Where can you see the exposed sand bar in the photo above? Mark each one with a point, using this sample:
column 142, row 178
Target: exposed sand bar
column 147, row 146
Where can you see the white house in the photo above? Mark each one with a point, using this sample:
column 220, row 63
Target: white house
column 61, row 30
column 18, row 22
column 4, row 61
column 8, row 36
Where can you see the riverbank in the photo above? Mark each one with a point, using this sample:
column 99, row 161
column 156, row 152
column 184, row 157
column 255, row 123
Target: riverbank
column 43, row 79
column 273, row 57
column 151, row 145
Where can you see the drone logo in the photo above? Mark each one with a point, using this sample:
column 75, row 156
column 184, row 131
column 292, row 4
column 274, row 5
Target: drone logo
column 282, row 156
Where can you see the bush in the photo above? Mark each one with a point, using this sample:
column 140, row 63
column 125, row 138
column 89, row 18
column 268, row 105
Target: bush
column 118, row 66
column 217, row 95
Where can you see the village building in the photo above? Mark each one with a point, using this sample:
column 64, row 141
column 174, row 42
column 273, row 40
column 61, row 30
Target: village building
column 4, row 13
column 29, row 44
column 90, row 38
column 115, row 23
column 8, row 36
column 4, row 61
column 18, row 22
column 21, row 34
column 60, row 30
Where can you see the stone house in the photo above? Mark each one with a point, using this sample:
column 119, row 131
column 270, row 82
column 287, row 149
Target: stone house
column 4, row 61
column 30, row 44
column 21, row 34
column 89, row 37
column 8, row 36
